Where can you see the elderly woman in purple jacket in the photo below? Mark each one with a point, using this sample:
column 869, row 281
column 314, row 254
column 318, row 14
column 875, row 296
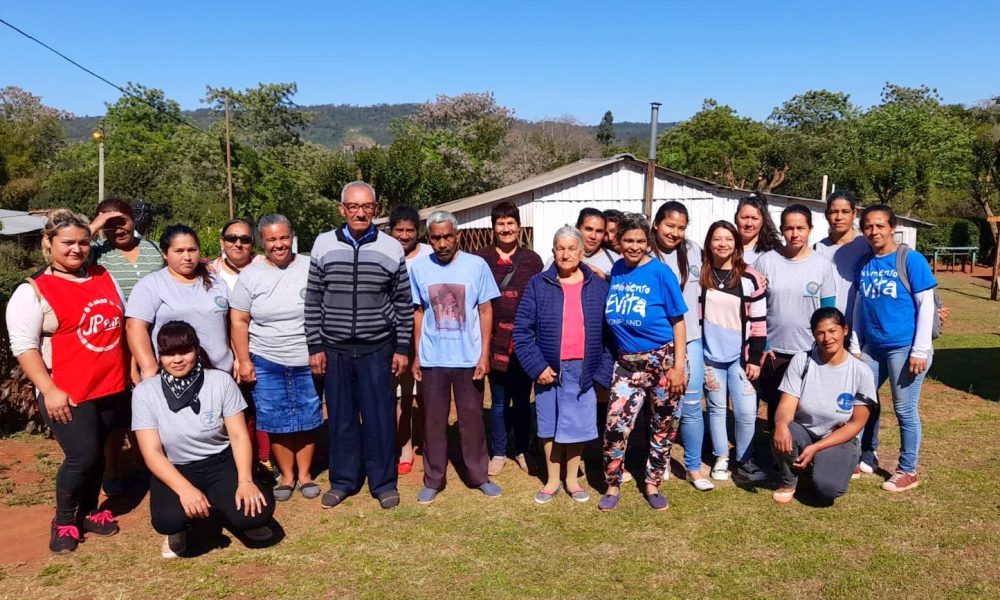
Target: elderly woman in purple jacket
column 559, row 339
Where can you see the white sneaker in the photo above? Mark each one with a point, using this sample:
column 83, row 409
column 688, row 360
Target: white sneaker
column 702, row 484
column 865, row 468
column 720, row 472
column 174, row 545
column 258, row 534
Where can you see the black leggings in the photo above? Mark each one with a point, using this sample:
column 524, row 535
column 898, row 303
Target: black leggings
column 216, row 477
column 78, row 482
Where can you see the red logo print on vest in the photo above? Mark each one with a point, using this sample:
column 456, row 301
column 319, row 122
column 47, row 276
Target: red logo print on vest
column 100, row 315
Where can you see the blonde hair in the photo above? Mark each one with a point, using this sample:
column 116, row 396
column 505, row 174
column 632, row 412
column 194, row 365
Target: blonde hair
column 60, row 219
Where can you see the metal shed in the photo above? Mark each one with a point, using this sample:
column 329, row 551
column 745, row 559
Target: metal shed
column 553, row 199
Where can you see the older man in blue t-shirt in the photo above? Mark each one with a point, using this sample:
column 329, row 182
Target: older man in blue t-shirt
column 452, row 291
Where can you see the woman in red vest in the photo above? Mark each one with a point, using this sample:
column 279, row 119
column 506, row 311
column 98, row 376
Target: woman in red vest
column 67, row 331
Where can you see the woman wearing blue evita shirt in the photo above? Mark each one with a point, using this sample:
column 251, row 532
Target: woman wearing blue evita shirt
column 645, row 313
column 894, row 319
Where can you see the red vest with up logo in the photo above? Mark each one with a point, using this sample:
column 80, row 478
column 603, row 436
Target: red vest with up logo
column 88, row 356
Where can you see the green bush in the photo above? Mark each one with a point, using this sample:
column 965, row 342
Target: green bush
column 949, row 232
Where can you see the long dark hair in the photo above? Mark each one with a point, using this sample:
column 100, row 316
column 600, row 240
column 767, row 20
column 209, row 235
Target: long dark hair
column 768, row 238
column 177, row 337
column 683, row 265
column 175, row 230
column 739, row 265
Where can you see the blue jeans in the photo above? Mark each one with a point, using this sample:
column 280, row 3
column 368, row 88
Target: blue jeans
column 724, row 380
column 894, row 364
column 692, row 419
column 510, row 408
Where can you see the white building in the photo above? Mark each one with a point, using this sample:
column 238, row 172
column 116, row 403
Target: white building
column 550, row 200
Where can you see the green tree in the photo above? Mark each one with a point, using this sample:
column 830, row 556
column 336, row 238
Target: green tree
column 30, row 139
column 606, row 130
column 719, row 145
column 984, row 166
column 911, row 144
column 264, row 116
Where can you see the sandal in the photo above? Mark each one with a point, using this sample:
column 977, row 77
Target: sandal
column 544, row 497
column 580, row 494
column 283, row 492
column 310, row 490
column 783, row 497
column 404, row 467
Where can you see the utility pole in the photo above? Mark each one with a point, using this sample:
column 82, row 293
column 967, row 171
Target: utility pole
column 229, row 161
column 99, row 136
column 826, row 181
column 647, row 198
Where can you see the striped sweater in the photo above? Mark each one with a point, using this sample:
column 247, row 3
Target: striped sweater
column 358, row 295
column 734, row 320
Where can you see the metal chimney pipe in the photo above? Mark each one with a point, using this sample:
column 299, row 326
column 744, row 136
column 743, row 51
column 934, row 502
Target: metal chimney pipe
column 647, row 199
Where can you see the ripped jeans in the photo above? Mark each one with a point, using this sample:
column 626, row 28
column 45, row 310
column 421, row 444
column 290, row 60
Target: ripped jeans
column 724, row 380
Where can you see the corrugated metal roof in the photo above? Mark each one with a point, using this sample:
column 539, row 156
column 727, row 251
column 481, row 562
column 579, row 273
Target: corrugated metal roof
column 590, row 164
column 15, row 222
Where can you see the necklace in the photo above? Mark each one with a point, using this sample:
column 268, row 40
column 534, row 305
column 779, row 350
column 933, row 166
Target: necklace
column 79, row 273
column 720, row 281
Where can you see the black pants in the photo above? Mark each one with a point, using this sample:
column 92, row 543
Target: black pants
column 831, row 468
column 78, row 482
column 771, row 374
column 216, row 477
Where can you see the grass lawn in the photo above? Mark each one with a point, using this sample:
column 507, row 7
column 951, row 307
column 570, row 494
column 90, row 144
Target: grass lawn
column 940, row 540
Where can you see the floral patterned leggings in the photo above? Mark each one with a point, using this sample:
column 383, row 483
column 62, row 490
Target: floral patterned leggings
column 638, row 377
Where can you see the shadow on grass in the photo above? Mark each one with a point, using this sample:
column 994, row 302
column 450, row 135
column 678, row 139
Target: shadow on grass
column 968, row 369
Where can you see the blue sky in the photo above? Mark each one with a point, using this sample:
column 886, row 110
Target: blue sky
column 543, row 59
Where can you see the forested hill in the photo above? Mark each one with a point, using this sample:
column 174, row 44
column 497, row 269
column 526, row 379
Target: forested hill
column 333, row 125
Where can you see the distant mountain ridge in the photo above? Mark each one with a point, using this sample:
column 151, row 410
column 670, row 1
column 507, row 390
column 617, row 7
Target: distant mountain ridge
column 334, row 125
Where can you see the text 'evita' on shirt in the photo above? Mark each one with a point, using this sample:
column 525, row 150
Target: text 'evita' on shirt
column 358, row 294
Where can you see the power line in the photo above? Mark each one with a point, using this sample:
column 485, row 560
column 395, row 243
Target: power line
column 138, row 97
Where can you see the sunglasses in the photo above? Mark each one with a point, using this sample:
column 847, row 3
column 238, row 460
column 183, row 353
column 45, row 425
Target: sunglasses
column 243, row 239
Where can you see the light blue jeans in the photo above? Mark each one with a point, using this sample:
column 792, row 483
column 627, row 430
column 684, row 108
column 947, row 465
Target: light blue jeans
column 692, row 419
column 724, row 380
column 894, row 364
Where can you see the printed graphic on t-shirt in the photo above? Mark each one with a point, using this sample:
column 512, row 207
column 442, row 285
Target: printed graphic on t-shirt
column 876, row 282
column 221, row 303
column 845, row 402
column 302, row 296
column 627, row 299
column 100, row 315
column 812, row 289
column 447, row 300
column 209, row 420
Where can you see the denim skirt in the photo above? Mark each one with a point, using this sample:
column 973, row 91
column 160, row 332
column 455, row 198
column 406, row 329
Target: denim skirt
column 563, row 412
column 285, row 398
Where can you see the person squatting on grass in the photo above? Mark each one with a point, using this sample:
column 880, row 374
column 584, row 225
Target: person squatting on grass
column 193, row 436
column 684, row 258
column 404, row 226
column 267, row 324
column 560, row 338
column 66, row 330
column 734, row 316
column 826, row 396
column 894, row 324
column 452, row 291
column 512, row 266
column 359, row 323
column 799, row 281
column 645, row 313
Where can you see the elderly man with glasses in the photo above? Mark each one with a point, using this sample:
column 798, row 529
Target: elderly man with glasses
column 359, row 324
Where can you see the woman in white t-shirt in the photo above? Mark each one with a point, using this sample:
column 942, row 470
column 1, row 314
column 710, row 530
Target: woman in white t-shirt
column 194, row 439
column 826, row 396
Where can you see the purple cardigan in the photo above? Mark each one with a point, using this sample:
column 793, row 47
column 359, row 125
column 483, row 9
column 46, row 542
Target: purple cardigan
column 539, row 322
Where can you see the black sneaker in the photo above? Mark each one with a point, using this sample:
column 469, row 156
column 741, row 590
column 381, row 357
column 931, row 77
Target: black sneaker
column 332, row 498
column 100, row 523
column 64, row 538
column 388, row 499
column 748, row 471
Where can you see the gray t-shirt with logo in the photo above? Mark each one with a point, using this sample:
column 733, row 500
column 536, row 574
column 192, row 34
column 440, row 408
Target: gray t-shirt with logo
column 188, row 437
column 846, row 261
column 158, row 298
column 795, row 289
column 275, row 299
column 692, row 289
column 828, row 394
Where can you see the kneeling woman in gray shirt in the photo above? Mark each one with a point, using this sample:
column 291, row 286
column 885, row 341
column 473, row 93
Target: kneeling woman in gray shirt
column 826, row 396
column 191, row 431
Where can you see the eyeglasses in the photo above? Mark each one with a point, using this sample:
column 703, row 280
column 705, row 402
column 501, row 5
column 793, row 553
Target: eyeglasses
column 355, row 208
column 243, row 239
